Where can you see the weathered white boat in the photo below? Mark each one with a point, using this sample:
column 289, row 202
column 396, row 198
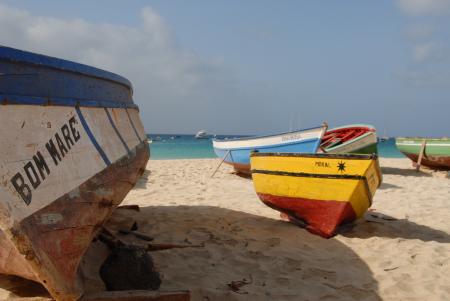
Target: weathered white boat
column 72, row 146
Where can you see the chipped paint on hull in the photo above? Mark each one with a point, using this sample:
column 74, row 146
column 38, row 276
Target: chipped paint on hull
column 72, row 147
column 55, row 250
column 46, row 228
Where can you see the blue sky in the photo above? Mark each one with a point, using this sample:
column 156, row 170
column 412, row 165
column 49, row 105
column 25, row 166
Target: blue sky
column 255, row 67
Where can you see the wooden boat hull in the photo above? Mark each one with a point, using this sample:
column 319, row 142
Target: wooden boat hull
column 363, row 141
column 322, row 191
column 436, row 154
column 66, row 163
column 236, row 152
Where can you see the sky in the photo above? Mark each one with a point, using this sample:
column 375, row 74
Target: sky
column 256, row 66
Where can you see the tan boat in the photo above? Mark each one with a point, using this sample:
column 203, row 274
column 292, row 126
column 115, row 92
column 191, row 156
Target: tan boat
column 72, row 147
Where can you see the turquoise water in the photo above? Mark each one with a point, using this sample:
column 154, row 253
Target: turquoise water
column 387, row 149
column 187, row 147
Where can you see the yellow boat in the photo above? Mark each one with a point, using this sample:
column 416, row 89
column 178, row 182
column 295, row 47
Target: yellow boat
column 317, row 191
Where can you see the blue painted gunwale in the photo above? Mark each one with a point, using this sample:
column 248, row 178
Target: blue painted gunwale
column 33, row 79
column 65, row 102
column 20, row 56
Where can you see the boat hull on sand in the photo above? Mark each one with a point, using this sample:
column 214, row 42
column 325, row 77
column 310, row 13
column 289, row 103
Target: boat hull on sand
column 436, row 154
column 236, row 152
column 350, row 139
column 73, row 146
column 317, row 191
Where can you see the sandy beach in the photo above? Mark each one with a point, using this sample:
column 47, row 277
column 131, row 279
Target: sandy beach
column 398, row 251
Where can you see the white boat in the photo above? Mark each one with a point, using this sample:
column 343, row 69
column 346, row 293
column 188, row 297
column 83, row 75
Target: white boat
column 201, row 135
column 236, row 152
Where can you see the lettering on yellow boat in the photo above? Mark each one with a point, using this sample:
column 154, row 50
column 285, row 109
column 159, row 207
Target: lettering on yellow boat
column 37, row 168
column 322, row 164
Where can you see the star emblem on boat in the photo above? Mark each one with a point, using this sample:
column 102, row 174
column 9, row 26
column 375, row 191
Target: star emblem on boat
column 341, row 166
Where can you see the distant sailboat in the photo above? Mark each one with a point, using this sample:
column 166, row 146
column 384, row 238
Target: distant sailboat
column 201, row 135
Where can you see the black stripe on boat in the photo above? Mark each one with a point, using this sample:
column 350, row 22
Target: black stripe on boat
column 117, row 131
column 92, row 137
column 308, row 175
column 133, row 126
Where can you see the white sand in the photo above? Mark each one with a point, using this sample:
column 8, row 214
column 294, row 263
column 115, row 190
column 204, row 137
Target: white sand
column 399, row 251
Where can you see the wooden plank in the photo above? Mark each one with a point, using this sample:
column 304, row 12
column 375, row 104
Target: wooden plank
column 422, row 151
column 138, row 296
column 30, row 299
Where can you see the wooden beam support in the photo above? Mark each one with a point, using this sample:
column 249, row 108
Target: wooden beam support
column 138, row 296
column 422, row 152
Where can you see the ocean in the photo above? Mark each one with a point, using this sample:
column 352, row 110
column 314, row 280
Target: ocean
column 173, row 146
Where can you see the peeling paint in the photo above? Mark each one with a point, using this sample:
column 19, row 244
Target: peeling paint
column 104, row 192
column 50, row 218
column 75, row 193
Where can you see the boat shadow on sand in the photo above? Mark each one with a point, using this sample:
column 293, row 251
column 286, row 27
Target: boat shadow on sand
column 388, row 186
column 278, row 260
column 381, row 225
column 265, row 258
column 242, row 256
column 407, row 172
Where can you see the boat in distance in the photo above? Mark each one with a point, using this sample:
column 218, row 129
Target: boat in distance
column 350, row 139
column 236, row 152
column 436, row 153
column 316, row 191
column 201, row 135
column 73, row 146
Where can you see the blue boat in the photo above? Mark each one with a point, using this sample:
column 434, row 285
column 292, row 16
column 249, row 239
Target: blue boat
column 236, row 152
column 72, row 147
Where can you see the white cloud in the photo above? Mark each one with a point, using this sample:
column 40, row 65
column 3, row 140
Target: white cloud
column 424, row 7
column 430, row 52
column 164, row 76
column 423, row 52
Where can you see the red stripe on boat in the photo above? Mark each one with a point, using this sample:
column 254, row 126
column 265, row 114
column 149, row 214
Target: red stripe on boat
column 321, row 217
